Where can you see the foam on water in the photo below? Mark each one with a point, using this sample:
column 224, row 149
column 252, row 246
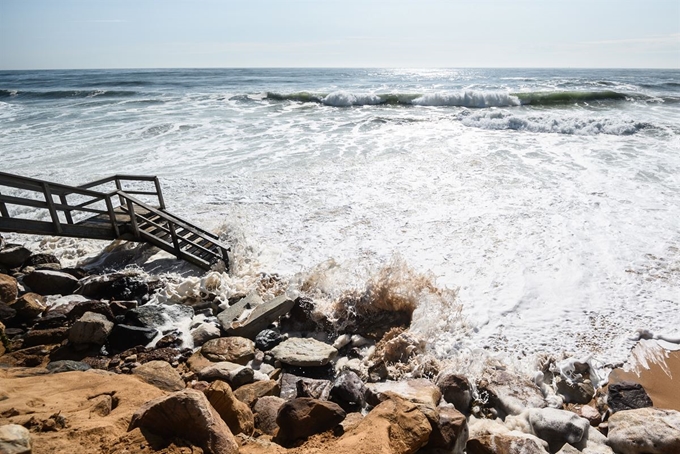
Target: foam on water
column 555, row 226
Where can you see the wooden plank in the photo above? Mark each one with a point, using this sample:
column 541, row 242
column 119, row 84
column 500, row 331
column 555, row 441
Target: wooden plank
column 33, row 227
column 50, row 206
column 3, row 208
column 67, row 212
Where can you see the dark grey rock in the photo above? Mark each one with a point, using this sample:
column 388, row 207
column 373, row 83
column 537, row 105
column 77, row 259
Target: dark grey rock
column 66, row 365
column 123, row 337
column 157, row 315
column 13, row 256
column 115, row 286
column 49, row 282
column 48, row 336
column 627, row 396
column 268, row 339
column 348, row 391
column 455, row 390
column 36, row 260
column 91, row 328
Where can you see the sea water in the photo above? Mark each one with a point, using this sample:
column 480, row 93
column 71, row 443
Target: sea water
column 547, row 201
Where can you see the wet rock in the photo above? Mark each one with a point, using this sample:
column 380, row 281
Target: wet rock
column 449, row 431
column 249, row 324
column 160, row 374
column 38, row 259
column 302, row 417
column 234, row 374
column 627, row 396
column 455, row 390
column 317, row 388
column 237, row 350
column 158, row 315
column 489, row 436
column 123, row 337
column 7, row 313
column 235, row 413
column 189, row 415
column 348, row 391
column 575, row 392
column 13, row 256
column 645, row 430
column 396, row 426
column 98, row 307
column 302, row 318
column 251, row 392
column 8, row 289
column 66, row 365
column 304, row 352
column 50, row 282
column 203, row 333
column 15, row 439
column 398, row 346
column 91, row 328
column 266, row 410
column 121, row 307
column 45, row 336
column 377, row 372
column 557, row 427
column 29, row 306
column 268, row 339
column 115, row 287
column 509, row 394
column 170, row 340
column 420, row 391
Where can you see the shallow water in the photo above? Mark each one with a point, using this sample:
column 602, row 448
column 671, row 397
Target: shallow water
column 549, row 198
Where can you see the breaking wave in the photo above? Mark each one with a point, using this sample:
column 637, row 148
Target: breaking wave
column 66, row 94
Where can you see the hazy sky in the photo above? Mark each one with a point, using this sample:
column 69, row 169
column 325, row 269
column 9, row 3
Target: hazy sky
column 368, row 33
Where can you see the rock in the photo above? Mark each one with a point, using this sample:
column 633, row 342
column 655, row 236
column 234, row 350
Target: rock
column 251, row 392
column 489, row 436
column 7, row 313
column 420, row 391
column 158, row 315
column 575, row 392
column 36, row 260
column 235, row 413
column 160, row 374
column 102, row 405
column 266, row 410
column 510, row 394
column 121, row 307
column 627, row 396
column 237, row 350
column 348, row 391
column 171, row 340
column 304, row 352
column 234, row 374
column 98, row 307
column 268, row 339
column 557, row 427
column 203, row 333
column 8, row 289
column 449, row 431
column 15, row 439
column 455, row 390
column 124, row 337
column 591, row 414
column 13, row 256
column 261, row 317
column 66, row 365
column 319, row 389
column 91, row 328
column 197, row 362
column 351, row 421
column 189, row 415
column 115, row 286
column 45, row 336
column 396, row 426
column 303, row 318
column 50, row 282
column 3, row 339
column 304, row 416
column 645, row 430
column 29, row 306
column 26, row 357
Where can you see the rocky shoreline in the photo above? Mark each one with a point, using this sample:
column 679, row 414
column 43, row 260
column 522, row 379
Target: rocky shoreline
column 96, row 362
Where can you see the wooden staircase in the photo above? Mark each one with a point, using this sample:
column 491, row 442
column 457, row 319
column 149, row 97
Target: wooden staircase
column 33, row 206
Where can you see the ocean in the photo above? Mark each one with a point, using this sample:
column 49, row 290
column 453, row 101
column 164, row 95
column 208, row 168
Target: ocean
column 547, row 200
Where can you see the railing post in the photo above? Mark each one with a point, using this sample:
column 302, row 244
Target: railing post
column 112, row 216
column 161, row 202
column 133, row 218
column 50, row 207
column 3, row 209
column 119, row 188
column 67, row 212
column 175, row 240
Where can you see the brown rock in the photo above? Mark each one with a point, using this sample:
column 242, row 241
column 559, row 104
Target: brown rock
column 509, row 394
column 237, row 350
column 266, row 410
column 45, row 336
column 8, row 289
column 251, row 392
column 450, row 431
column 189, row 415
column 235, row 413
column 488, row 436
column 197, row 362
column 317, row 388
column 160, row 374
column 3, row 339
column 29, row 306
column 304, row 416
column 27, row 357
column 420, row 391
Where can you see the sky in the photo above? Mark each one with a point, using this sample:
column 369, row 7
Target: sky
column 78, row 34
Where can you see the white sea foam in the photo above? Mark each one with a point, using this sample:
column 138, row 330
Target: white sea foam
column 468, row 99
column 346, row 99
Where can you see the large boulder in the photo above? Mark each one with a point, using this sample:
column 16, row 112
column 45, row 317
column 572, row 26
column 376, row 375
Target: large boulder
column 557, row 427
column 645, row 431
column 237, row 350
column 266, row 410
column 489, row 436
column 160, row 374
column 91, row 328
column 29, row 306
column 304, row 416
column 248, row 317
column 189, row 415
column 455, row 390
column 13, row 256
column 235, row 413
column 419, row 391
column 509, row 394
column 15, row 439
column 158, row 315
column 234, row 374
column 8, row 289
column 120, row 287
column 50, row 282
column 304, row 352
column 45, row 336
column 203, row 333
column 124, row 337
column 627, row 396
column 251, row 392
column 449, row 430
